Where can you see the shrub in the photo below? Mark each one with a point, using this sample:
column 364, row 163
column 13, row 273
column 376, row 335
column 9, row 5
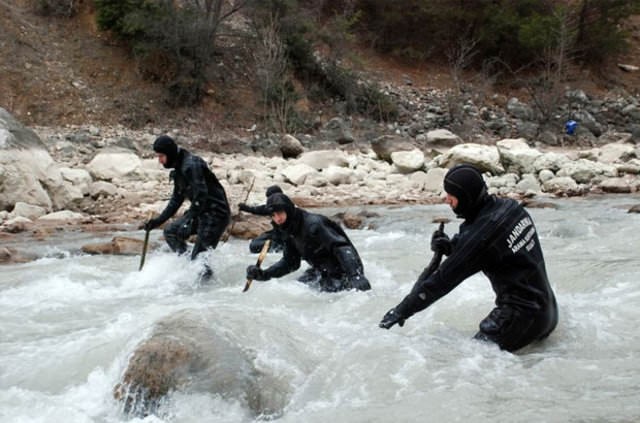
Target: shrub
column 515, row 32
column 173, row 43
column 59, row 8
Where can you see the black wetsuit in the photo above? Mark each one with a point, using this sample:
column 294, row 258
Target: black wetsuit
column 209, row 213
column 501, row 241
column 323, row 244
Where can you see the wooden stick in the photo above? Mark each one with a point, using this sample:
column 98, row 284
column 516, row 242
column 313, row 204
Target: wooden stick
column 145, row 244
column 263, row 254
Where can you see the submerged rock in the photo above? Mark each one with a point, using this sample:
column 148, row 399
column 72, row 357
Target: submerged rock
column 11, row 255
column 119, row 245
column 634, row 209
column 185, row 353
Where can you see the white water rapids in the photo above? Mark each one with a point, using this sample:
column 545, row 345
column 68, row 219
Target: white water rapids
column 70, row 322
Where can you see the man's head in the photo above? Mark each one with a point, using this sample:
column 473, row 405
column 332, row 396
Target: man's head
column 273, row 189
column 167, row 151
column 465, row 188
column 281, row 208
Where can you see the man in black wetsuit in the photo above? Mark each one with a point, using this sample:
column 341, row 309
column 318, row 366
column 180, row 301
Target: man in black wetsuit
column 497, row 237
column 319, row 241
column 262, row 210
column 209, row 213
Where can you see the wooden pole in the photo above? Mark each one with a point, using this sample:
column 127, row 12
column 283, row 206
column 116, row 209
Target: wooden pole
column 263, row 254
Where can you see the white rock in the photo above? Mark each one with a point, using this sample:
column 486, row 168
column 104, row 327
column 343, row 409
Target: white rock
column 79, row 178
column 339, row 175
column 27, row 210
column 613, row 152
column 545, row 175
column 110, row 165
column 435, row 180
column 485, row 157
column 562, row 183
column 297, row 173
column 615, row 185
column 516, row 155
column 322, row 159
column 408, row 161
column 418, row 180
column 443, row 136
column 102, row 188
column 528, row 183
column 63, row 215
column 551, row 161
column 583, row 170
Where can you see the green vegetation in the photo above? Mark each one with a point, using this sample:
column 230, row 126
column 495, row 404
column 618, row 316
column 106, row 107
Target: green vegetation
column 515, row 32
column 175, row 45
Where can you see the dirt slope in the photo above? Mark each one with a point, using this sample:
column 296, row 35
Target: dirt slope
column 56, row 72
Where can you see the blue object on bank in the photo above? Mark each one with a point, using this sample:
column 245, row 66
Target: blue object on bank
column 570, row 127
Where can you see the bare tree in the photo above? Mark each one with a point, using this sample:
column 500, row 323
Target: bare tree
column 178, row 48
column 547, row 90
column 271, row 73
column 460, row 56
column 215, row 12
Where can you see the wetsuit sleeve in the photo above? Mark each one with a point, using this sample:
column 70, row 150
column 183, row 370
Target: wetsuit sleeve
column 464, row 261
column 289, row 262
column 261, row 210
column 177, row 198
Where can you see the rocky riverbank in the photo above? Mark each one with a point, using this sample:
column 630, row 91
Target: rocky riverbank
column 104, row 177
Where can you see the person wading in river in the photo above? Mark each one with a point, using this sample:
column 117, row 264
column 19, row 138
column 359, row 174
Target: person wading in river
column 209, row 214
column 497, row 237
column 319, row 241
column 262, row 210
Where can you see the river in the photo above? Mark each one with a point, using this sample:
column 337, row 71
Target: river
column 69, row 323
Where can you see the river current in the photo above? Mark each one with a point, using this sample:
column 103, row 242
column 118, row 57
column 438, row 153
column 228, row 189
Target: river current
column 70, row 322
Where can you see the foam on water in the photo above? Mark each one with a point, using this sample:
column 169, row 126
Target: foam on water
column 71, row 322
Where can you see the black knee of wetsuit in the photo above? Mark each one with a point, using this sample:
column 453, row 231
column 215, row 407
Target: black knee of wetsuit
column 209, row 230
column 172, row 235
column 513, row 328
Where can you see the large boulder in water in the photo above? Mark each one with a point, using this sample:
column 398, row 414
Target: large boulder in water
column 27, row 172
column 185, row 353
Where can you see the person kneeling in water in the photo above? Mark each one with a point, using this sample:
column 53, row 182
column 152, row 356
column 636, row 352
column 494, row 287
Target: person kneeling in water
column 319, row 241
column 497, row 237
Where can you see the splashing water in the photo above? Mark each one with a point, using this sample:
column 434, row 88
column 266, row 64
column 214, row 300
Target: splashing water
column 70, row 322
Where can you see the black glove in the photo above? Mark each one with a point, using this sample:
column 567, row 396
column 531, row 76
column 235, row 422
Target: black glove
column 151, row 224
column 243, row 207
column 391, row 318
column 440, row 243
column 359, row 282
column 184, row 230
column 257, row 274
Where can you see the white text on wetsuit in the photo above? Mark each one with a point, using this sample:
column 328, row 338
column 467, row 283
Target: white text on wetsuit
column 517, row 231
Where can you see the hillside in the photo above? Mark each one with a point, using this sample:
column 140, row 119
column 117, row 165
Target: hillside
column 57, row 72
